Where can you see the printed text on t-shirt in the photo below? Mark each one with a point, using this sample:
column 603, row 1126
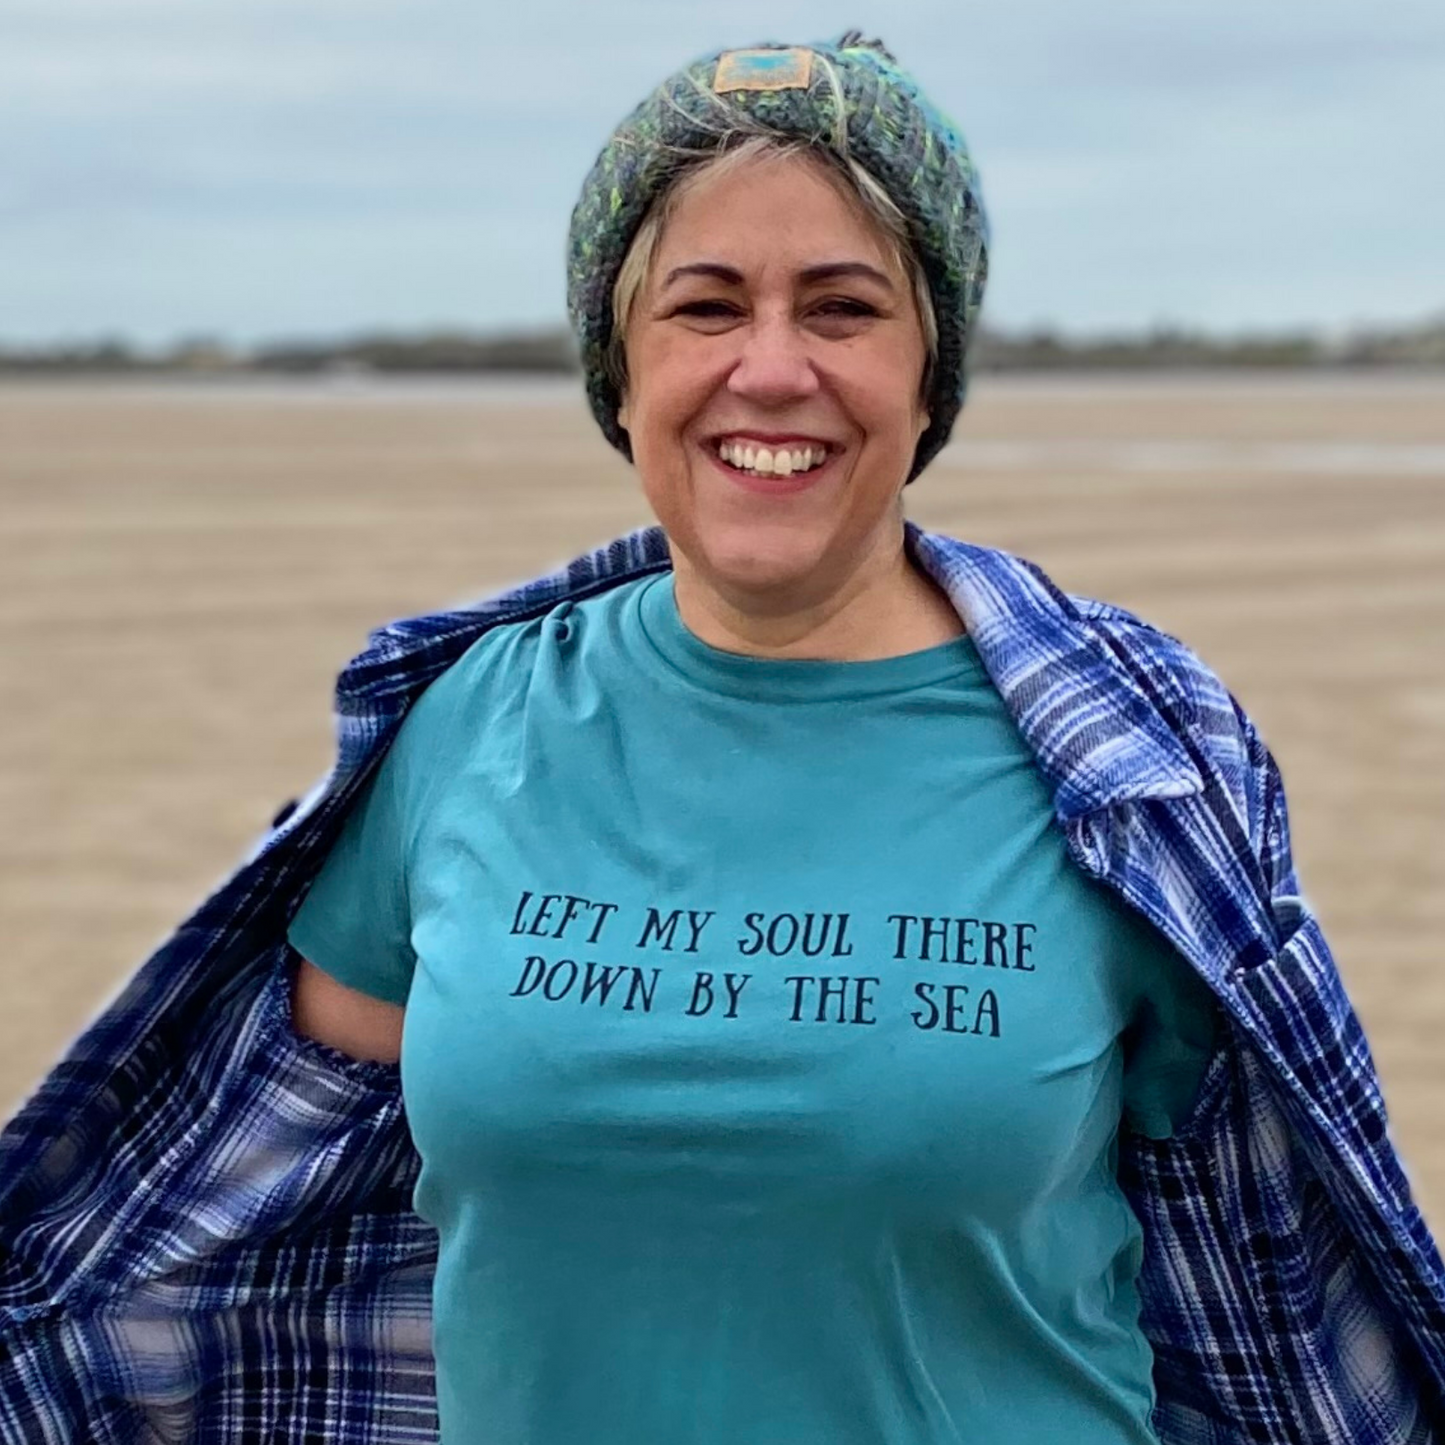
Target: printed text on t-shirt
column 944, row 1004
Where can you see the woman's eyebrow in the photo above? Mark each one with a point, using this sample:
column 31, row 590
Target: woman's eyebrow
column 715, row 269
column 809, row 275
column 837, row 270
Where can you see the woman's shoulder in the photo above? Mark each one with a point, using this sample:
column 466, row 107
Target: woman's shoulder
column 1190, row 695
column 1148, row 651
column 1042, row 617
column 505, row 660
column 1144, row 665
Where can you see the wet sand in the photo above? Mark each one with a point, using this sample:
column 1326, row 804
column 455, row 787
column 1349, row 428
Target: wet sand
column 183, row 569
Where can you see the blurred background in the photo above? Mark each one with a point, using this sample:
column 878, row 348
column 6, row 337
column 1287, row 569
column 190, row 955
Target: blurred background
column 283, row 356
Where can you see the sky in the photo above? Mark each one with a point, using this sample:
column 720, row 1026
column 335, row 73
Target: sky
column 248, row 170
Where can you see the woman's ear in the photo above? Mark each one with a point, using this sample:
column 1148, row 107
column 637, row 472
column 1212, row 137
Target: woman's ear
column 622, row 412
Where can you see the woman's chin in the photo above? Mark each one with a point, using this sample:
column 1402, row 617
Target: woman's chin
column 761, row 560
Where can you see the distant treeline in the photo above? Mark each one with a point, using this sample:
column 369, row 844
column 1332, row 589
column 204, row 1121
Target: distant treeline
column 434, row 352
column 554, row 351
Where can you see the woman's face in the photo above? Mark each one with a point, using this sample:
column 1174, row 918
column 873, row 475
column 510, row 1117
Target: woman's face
column 775, row 360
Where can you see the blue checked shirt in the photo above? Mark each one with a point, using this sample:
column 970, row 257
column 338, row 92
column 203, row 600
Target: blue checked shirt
column 205, row 1223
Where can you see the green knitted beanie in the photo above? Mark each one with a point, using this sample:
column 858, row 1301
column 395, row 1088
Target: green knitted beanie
column 892, row 130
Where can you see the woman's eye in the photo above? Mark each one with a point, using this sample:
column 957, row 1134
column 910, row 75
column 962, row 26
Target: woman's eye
column 846, row 306
column 837, row 310
column 705, row 308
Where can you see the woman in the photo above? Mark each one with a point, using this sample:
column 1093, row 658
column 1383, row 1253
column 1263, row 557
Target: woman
column 842, row 988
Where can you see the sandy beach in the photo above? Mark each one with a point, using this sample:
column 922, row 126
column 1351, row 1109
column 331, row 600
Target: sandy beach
column 184, row 567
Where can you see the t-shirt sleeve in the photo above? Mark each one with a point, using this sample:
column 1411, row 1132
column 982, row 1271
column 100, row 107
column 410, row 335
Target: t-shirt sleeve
column 355, row 923
column 1169, row 1043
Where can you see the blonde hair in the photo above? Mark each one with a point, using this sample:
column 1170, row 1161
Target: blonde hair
column 741, row 142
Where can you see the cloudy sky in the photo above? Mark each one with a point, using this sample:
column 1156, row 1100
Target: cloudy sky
column 250, row 169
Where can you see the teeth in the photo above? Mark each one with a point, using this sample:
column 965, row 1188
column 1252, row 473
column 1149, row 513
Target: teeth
column 767, row 462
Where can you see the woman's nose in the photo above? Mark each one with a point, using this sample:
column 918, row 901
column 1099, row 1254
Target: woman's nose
column 774, row 365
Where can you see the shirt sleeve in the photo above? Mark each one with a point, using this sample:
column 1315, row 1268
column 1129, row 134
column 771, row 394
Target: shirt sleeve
column 1169, row 1042
column 355, row 923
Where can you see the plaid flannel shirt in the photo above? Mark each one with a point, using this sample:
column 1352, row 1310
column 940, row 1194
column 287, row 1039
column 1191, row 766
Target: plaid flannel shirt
column 206, row 1231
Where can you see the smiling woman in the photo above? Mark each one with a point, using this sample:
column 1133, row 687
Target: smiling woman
column 840, row 1192
column 788, row 978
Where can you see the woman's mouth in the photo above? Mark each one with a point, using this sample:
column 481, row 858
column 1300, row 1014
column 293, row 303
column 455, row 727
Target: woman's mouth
column 773, row 467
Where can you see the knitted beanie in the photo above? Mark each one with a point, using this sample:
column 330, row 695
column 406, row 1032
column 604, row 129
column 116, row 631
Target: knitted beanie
column 892, row 130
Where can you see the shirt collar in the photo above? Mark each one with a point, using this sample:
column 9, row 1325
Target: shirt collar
column 1097, row 737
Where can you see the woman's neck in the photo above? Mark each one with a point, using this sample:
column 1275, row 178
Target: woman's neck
column 883, row 609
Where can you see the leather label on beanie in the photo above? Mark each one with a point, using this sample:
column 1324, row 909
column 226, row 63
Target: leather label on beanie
column 763, row 70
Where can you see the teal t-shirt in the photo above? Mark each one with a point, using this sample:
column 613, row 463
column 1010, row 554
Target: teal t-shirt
column 765, row 1051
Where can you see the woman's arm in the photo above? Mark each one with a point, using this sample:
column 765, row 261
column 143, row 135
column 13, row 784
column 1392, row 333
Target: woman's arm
column 354, row 1022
